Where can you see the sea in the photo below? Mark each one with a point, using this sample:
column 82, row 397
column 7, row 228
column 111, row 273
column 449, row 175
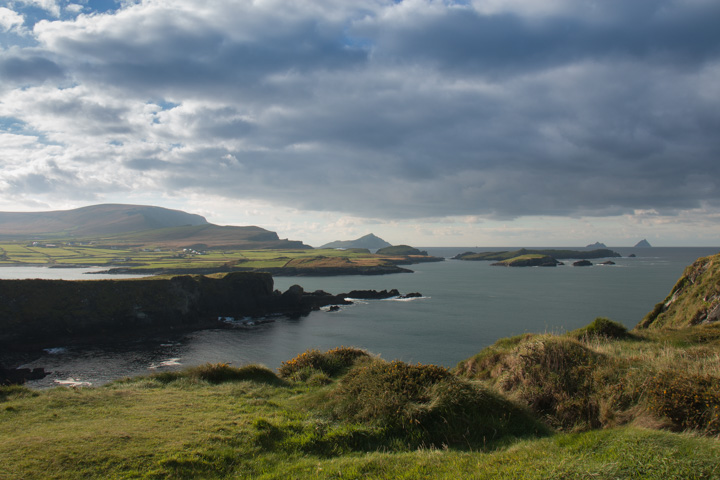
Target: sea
column 465, row 306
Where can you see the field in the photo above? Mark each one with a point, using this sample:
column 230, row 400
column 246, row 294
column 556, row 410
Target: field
column 144, row 258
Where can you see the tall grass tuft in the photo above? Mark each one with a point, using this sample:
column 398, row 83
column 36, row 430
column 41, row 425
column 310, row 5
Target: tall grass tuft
column 312, row 363
column 688, row 401
column 216, row 373
column 601, row 327
column 426, row 405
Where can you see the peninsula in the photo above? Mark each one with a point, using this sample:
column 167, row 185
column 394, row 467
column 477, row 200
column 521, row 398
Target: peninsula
column 153, row 240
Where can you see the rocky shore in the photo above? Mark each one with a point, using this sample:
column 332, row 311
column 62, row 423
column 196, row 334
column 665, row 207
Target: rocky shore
column 36, row 313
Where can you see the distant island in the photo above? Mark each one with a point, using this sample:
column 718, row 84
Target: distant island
column 643, row 244
column 596, row 245
column 369, row 241
column 535, row 258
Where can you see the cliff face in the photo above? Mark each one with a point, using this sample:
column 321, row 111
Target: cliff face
column 38, row 312
column 694, row 299
column 44, row 309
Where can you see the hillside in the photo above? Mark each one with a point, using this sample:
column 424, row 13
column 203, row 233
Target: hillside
column 107, row 219
column 118, row 224
column 369, row 241
column 695, row 298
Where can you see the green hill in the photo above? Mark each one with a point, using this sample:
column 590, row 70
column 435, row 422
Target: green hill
column 369, row 241
column 117, row 224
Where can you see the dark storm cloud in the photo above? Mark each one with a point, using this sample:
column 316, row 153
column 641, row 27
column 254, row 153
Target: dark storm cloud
column 508, row 43
column 413, row 109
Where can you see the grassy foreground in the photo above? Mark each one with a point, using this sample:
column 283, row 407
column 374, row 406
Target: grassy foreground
column 345, row 414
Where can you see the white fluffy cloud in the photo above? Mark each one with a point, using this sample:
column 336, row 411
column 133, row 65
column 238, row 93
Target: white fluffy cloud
column 9, row 19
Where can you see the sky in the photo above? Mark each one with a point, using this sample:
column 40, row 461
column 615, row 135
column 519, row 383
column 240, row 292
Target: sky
column 430, row 123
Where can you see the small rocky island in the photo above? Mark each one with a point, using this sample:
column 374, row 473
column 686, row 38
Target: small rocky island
column 537, row 258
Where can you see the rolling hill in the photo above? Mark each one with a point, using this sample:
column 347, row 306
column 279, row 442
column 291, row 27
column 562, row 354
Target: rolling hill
column 369, row 241
column 136, row 224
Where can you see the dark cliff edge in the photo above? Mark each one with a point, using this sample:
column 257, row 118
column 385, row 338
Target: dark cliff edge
column 39, row 313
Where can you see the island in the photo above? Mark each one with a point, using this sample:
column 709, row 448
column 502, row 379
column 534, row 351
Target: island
column 533, row 258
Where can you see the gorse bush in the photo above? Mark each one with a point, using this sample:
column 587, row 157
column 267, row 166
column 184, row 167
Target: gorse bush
column 554, row 376
column 688, row 401
column 601, row 327
column 427, row 405
column 311, row 362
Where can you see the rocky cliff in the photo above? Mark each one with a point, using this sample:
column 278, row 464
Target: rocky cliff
column 694, row 299
column 38, row 311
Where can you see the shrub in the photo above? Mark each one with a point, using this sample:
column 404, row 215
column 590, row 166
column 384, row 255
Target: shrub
column 601, row 327
column 220, row 373
column 427, row 405
column 331, row 363
column 688, row 401
column 554, row 376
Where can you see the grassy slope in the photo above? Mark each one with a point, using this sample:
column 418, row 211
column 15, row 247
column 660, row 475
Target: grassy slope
column 694, row 298
column 191, row 428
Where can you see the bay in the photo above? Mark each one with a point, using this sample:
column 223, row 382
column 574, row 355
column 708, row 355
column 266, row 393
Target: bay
column 465, row 307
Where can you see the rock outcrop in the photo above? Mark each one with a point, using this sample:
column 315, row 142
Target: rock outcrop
column 38, row 311
column 694, row 299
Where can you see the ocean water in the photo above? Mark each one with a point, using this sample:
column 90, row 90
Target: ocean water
column 465, row 307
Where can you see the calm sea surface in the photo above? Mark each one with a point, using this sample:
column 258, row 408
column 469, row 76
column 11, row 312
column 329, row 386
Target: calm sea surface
column 465, row 306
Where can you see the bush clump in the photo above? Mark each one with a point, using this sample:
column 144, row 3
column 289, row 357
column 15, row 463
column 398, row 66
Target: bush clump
column 314, row 363
column 217, row 373
column 688, row 401
column 554, row 376
column 601, row 327
column 427, row 405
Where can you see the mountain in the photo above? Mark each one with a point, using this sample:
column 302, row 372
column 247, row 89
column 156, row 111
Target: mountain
column 369, row 241
column 136, row 224
column 104, row 219
column 643, row 244
column 596, row 245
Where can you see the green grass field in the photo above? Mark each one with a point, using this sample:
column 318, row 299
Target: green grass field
column 345, row 414
column 19, row 254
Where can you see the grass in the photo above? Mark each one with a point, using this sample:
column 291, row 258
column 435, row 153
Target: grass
column 189, row 428
column 602, row 376
column 143, row 258
column 369, row 418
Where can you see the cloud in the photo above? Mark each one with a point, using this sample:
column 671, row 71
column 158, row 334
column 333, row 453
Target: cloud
column 10, row 20
column 394, row 110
